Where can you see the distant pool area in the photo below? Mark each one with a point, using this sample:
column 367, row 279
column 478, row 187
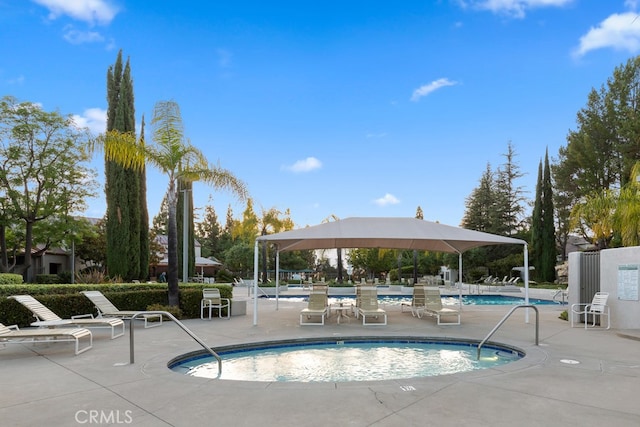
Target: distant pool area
column 446, row 299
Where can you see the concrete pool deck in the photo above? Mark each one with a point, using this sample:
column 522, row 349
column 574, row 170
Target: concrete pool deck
column 48, row 385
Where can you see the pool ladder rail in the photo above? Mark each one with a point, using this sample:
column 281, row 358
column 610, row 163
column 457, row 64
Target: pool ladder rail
column 181, row 325
column 504, row 319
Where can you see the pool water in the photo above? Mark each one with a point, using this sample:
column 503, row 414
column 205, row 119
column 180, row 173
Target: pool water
column 341, row 361
column 446, row 299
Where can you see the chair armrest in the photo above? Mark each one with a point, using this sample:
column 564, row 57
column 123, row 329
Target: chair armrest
column 82, row 316
column 578, row 305
column 13, row 327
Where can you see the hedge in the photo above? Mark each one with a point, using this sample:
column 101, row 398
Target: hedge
column 67, row 301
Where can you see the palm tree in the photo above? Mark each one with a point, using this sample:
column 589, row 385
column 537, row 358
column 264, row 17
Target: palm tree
column 179, row 160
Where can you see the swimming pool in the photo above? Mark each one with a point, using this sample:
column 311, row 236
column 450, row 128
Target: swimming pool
column 446, row 299
column 347, row 359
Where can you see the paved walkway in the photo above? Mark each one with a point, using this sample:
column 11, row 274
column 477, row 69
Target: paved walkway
column 46, row 385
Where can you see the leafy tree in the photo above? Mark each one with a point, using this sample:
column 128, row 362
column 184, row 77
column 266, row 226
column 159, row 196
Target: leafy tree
column 209, row 232
column 42, row 176
column 179, row 160
column 91, row 246
column 600, row 153
column 627, row 216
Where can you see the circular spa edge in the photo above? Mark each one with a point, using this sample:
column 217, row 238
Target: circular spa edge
column 345, row 359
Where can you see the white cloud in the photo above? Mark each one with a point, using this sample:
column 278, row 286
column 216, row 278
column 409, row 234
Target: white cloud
column 74, row 36
column 16, row 81
column 425, row 90
column 93, row 118
column 387, row 199
column 376, row 135
column 618, row 31
column 224, row 58
column 513, row 8
column 306, row 165
column 90, row 11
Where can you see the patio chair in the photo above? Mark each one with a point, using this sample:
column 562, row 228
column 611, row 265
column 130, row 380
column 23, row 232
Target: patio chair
column 47, row 318
column 14, row 335
column 106, row 309
column 417, row 300
column 433, row 307
column 211, row 299
column 369, row 306
column 317, row 306
column 597, row 307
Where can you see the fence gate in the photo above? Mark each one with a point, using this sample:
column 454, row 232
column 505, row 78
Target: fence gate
column 589, row 276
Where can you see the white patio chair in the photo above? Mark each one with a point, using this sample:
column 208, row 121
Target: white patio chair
column 597, row 307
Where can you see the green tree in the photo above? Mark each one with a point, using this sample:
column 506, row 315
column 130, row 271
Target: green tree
column 127, row 245
column 42, row 175
column 548, row 255
column 602, row 150
column 209, row 232
column 536, row 223
column 627, row 216
column 176, row 158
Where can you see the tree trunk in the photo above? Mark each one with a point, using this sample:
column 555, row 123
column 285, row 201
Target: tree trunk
column 172, row 249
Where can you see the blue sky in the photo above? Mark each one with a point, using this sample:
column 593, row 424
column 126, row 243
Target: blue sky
column 345, row 108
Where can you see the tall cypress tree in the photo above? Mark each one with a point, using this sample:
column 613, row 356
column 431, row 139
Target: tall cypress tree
column 536, row 223
column 549, row 250
column 122, row 185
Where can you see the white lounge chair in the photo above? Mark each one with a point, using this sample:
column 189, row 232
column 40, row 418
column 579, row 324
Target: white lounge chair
column 106, row 309
column 597, row 307
column 433, row 307
column 211, row 299
column 14, row 335
column 369, row 306
column 417, row 300
column 47, row 318
column 317, row 306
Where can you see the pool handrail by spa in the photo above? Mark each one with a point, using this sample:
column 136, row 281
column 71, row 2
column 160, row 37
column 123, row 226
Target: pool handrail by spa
column 181, row 325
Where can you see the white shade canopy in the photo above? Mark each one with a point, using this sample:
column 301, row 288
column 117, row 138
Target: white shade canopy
column 389, row 233
column 383, row 232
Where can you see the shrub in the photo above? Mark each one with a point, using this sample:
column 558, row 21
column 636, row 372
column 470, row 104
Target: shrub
column 175, row 311
column 47, row 278
column 10, row 279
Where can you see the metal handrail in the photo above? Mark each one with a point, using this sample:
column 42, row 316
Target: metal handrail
column 562, row 293
column 504, row 319
column 177, row 322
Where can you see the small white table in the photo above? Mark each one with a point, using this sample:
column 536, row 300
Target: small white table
column 342, row 311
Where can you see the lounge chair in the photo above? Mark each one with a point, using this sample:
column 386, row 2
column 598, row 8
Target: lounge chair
column 317, row 306
column 369, row 306
column 14, row 335
column 211, row 299
column 417, row 300
column 597, row 307
column 47, row 318
column 433, row 307
column 107, row 310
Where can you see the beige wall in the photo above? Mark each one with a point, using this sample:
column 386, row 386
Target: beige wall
column 624, row 314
